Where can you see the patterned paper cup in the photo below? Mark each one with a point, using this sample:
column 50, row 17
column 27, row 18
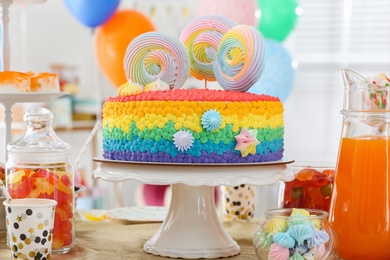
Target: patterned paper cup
column 238, row 202
column 30, row 225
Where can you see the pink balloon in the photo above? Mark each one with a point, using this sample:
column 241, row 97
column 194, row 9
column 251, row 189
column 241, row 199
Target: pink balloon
column 240, row 11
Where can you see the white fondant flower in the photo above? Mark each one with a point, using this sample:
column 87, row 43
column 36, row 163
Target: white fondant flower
column 211, row 120
column 183, row 140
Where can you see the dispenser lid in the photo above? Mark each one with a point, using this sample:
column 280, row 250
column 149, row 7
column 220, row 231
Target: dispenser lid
column 39, row 137
column 366, row 94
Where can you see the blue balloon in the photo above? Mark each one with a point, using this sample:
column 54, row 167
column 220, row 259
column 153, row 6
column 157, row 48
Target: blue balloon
column 279, row 74
column 92, row 13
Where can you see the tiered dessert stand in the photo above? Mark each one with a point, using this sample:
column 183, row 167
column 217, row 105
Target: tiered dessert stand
column 8, row 100
column 191, row 228
column 5, row 5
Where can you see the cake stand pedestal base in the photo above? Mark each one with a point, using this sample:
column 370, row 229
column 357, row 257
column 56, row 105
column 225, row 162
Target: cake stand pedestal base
column 192, row 228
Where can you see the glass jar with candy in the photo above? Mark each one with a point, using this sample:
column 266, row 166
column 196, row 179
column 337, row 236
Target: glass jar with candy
column 295, row 234
column 39, row 166
column 311, row 188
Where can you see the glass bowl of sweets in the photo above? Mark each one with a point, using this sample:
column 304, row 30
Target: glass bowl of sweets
column 311, row 187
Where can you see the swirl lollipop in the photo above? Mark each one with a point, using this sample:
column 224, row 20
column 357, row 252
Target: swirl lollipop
column 240, row 59
column 201, row 37
column 154, row 55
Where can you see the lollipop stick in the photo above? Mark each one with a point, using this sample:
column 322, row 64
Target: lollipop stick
column 89, row 139
column 205, row 83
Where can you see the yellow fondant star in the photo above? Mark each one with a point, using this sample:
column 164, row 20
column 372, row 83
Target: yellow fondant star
column 31, row 230
column 19, row 218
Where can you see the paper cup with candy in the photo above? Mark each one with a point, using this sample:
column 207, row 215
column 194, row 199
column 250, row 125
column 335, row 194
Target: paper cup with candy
column 238, row 202
column 30, row 225
column 295, row 234
column 312, row 187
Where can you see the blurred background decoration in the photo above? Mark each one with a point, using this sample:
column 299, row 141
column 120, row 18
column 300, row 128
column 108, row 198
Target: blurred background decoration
column 91, row 14
column 240, row 12
column 112, row 39
column 277, row 18
column 1, row 54
column 279, row 73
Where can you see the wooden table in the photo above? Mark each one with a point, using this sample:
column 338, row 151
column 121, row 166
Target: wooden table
column 112, row 240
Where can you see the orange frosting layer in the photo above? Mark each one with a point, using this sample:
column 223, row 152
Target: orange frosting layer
column 18, row 80
column 43, row 79
column 10, row 77
column 194, row 95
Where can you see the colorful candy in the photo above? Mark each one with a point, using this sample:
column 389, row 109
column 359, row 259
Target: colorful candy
column 379, row 93
column 49, row 183
column 154, row 55
column 311, row 188
column 240, row 59
column 294, row 234
column 201, row 37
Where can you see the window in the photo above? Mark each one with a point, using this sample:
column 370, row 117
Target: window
column 331, row 35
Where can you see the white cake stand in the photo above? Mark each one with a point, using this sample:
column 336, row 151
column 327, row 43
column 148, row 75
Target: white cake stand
column 192, row 228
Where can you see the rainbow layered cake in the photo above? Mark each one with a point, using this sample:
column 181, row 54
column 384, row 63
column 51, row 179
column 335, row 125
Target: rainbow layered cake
column 155, row 119
column 193, row 126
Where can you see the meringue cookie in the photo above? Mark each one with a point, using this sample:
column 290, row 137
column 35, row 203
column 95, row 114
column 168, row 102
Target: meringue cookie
column 301, row 232
column 246, row 141
column 157, row 85
column 296, row 256
column 276, row 225
column 320, row 237
column 211, row 120
column 183, row 140
column 130, row 88
column 278, row 252
column 284, row 239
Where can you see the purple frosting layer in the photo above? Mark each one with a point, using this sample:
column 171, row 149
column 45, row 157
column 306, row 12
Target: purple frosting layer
column 228, row 157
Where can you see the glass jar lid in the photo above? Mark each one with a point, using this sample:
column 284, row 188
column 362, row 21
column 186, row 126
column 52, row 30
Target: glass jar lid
column 39, row 137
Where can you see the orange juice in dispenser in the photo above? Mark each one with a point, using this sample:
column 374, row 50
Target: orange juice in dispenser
column 360, row 207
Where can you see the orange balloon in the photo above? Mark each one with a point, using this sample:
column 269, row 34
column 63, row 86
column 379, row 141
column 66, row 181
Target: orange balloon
column 112, row 39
